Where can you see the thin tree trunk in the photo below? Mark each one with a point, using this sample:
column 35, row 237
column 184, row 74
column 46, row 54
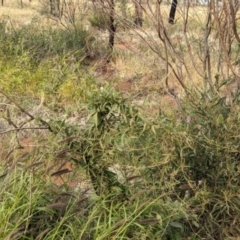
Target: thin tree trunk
column 172, row 11
column 51, row 6
column 2, row 2
column 112, row 26
column 138, row 13
column 55, row 8
column 207, row 69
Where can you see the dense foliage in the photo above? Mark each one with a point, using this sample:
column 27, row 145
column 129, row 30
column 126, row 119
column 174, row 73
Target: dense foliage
column 168, row 177
column 134, row 175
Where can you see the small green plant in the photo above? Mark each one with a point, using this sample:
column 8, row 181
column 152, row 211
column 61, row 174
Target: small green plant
column 99, row 20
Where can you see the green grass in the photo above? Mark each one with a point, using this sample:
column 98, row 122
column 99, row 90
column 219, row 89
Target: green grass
column 168, row 186
column 35, row 61
column 174, row 175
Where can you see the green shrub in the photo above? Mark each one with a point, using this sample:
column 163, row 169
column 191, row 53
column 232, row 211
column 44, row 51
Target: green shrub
column 210, row 150
column 171, row 177
column 118, row 134
column 193, row 160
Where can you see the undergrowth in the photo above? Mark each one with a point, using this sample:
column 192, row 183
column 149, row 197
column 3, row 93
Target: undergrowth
column 164, row 178
column 133, row 177
column 38, row 59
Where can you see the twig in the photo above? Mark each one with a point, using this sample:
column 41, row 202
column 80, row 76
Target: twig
column 28, row 128
column 26, row 112
column 16, row 104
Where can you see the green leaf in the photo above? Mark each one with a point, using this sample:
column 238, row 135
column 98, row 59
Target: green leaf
column 196, row 224
column 176, row 225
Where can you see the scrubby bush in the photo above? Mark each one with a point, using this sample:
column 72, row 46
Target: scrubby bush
column 192, row 160
column 211, row 154
column 171, row 177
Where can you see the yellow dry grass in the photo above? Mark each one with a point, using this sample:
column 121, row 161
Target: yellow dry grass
column 13, row 12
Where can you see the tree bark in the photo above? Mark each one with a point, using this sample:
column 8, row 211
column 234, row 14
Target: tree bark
column 55, row 7
column 112, row 26
column 138, row 13
column 172, row 11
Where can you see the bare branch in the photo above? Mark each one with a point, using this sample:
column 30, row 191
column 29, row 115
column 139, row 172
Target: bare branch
column 27, row 128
